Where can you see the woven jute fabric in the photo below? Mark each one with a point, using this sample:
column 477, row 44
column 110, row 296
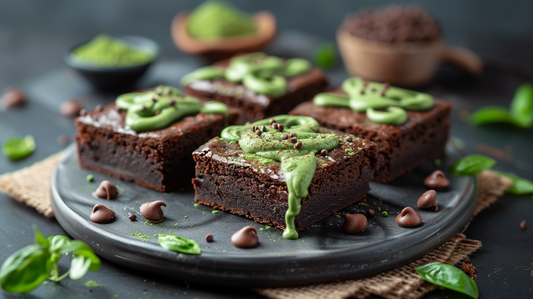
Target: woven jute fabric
column 31, row 186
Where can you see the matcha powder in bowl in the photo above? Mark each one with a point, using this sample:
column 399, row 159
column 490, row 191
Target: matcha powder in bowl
column 215, row 19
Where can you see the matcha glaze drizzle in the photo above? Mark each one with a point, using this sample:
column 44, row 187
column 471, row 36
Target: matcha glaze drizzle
column 370, row 97
column 298, row 162
column 258, row 72
column 160, row 107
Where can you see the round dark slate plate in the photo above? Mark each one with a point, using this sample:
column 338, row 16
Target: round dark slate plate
column 324, row 253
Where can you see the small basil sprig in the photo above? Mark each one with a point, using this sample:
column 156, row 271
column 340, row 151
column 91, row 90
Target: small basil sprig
column 325, row 56
column 520, row 185
column 471, row 165
column 17, row 148
column 27, row 268
column 450, row 277
column 179, row 244
column 489, row 115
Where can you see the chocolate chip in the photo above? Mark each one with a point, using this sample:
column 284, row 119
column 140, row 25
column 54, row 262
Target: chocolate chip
column 281, row 127
column 172, row 102
column 523, row 225
column 254, row 128
column 408, row 217
column 294, row 140
column 102, row 214
column 152, row 211
column 98, row 108
column 157, row 112
column 324, row 152
column 437, row 180
column 106, row 190
column 428, row 200
column 209, row 238
column 246, row 237
column 349, row 138
column 154, row 99
column 298, row 145
column 271, row 121
column 132, row 217
column 284, row 137
column 354, row 223
column 274, row 126
column 258, row 132
column 12, row 97
column 71, row 108
column 370, row 213
column 143, row 108
column 263, row 128
column 293, row 134
column 62, row 139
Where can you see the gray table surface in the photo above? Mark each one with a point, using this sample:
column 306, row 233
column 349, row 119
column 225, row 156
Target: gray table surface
column 34, row 34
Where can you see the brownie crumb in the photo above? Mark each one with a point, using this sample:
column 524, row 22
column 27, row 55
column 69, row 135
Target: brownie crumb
column 469, row 269
column 523, row 225
column 370, row 213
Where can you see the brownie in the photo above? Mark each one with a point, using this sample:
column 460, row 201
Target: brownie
column 159, row 159
column 227, row 179
column 256, row 106
column 401, row 148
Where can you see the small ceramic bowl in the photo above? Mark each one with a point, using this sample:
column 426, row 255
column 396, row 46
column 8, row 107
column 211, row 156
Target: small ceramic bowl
column 217, row 49
column 115, row 78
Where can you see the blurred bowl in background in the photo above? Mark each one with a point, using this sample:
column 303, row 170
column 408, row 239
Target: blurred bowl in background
column 106, row 78
column 217, row 49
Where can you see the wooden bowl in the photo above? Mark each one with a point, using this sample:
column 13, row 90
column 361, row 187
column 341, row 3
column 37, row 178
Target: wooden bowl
column 217, row 49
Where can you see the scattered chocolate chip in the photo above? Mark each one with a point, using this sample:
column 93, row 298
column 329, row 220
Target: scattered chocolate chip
column 324, row 152
column 98, row 108
column 370, row 213
column 281, row 127
column 271, row 121
column 274, row 126
column 294, row 140
column 12, row 97
column 102, row 214
column 246, row 237
column 428, row 200
column 62, row 139
column 348, row 138
column 83, row 112
column 106, row 190
column 437, row 180
column 157, row 112
column 298, row 145
column 254, row 128
column 172, row 102
column 132, row 217
column 258, row 132
column 284, row 137
column 354, row 223
column 71, row 108
column 209, row 238
column 263, row 128
column 152, row 211
column 293, row 134
column 408, row 217
column 523, row 225
column 143, row 108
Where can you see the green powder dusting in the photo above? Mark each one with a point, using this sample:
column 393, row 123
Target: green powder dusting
column 385, row 214
column 92, row 283
column 144, row 238
column 107, row 51
column 215, row 211
column 196, row 204
column 215, row 19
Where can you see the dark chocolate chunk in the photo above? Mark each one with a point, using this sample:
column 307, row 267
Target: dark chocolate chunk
column 349, row 138
column 274, row 126
column 298, row 145
column 437, row 180
column 324, row 152
column 258, row 132
column 246, row 237
column 71, row 108
column 293, row 140
column 408, row 217
column 293, row 134
column 271, row 121
column 152, row 211
column 354, row 223
column 209, row 238
column 107, row 190
column 132, row 217
column 102, row 214
column 428, row 200
column 254, row 128
column 12, row 97
column 284, row 137
column 370, row 213
column 62, row 139
column 263, row 128
column 281, row 127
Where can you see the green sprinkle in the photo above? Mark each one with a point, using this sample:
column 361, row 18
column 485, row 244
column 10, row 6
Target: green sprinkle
column 261, row 229
column 148, row 223
column 17, row 148
column 215, row 211
column 351, row 154
column 379, row 209
column 359, row 148
column 363, row 204
column 385, row 214
column 186, row 216
column 92, row 283
column 155, row 235
column 338, row 216
column 46, row 282
column 90, row 178
column 133, row 208
column 325, row 55
column 437, row 162
column 176, row 224
column 196, row 204
column 144, row 238
column 268, row 227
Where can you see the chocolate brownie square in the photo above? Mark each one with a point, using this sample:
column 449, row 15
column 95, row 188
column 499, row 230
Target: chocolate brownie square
column 259, row 85
column 420, row 136
column 154, row 157
column 265, row 172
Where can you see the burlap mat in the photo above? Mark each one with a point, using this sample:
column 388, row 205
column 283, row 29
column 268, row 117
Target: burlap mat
column 31, row 186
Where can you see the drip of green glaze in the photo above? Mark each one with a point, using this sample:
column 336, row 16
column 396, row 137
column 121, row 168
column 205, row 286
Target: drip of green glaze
column 369, row 96
column 160, row 107
column 298, row 165
column 259, row 72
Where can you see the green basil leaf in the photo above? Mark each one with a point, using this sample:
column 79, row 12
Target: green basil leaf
column 519, row 186
column 25, row 269
column 489, row 115
column 179, row 244
column 90, row 255
column 17, row 148
column 325, row 55
column 521, row 109
column 471, row 165
column 57, row 243
column 40, row 239
column 79, row 266
column 73, row 246
column 450, row 277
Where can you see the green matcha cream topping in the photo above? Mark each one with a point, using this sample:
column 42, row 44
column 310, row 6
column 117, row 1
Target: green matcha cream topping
column 107, row 51
column 215, row 19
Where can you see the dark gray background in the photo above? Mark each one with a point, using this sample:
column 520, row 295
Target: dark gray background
column 34, row 35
